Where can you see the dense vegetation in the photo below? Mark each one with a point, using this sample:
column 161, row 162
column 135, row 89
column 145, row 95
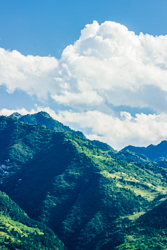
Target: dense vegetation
column 89, row 197
column 147, row 232
column 18, row 231
column 45, row 119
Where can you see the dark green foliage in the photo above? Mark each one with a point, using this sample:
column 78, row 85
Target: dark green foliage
column 82, row 193
column 148, row 232
column 18, row 231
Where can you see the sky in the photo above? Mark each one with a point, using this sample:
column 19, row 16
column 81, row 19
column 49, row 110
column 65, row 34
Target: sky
column 97, row 66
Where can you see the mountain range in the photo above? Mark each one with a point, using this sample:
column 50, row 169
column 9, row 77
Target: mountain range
column 90, row 195
column 153, row 152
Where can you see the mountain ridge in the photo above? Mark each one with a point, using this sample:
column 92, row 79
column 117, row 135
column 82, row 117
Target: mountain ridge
column 153, row 152
column 72, row 186
column 45, row 119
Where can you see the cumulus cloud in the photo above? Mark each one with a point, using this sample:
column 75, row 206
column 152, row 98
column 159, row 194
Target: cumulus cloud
column 120, row 66
column 118, row 132
column 108, row 63
column 32, row 74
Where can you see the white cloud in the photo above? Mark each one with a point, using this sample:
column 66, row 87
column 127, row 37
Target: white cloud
column 119, row 132
column 120, row 66
column 32, row 74
column 82, row 98
column 108, row 64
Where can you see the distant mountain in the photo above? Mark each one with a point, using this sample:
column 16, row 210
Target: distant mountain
column 15, row 115
column 129, row 156
column 153, row 152
column 79, row 191
column 18, row 231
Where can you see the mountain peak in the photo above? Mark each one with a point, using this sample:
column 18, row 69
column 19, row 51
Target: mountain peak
column 43, row 113
column 15, row 115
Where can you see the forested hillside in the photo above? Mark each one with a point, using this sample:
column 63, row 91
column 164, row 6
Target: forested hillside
column 18, row 231
column 147, row 232
column 45, row 119
column 78, row 190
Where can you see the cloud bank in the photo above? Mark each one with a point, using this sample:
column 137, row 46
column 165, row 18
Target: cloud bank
column 108, row 66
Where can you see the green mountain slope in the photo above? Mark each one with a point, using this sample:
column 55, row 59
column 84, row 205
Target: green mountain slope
column 18, row 231
column 129, row 156
column 147, row 232
column 153, row 152
column 45, row 119
column 76, row 189
column 103, row 146
column 130, row 153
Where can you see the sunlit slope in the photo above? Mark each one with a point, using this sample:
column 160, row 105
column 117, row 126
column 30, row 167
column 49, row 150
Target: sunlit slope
column 79, row 191
column 18, row 231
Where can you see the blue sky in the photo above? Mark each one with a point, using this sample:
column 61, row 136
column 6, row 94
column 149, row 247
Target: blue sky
column 44, row 27
column 107, row 79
